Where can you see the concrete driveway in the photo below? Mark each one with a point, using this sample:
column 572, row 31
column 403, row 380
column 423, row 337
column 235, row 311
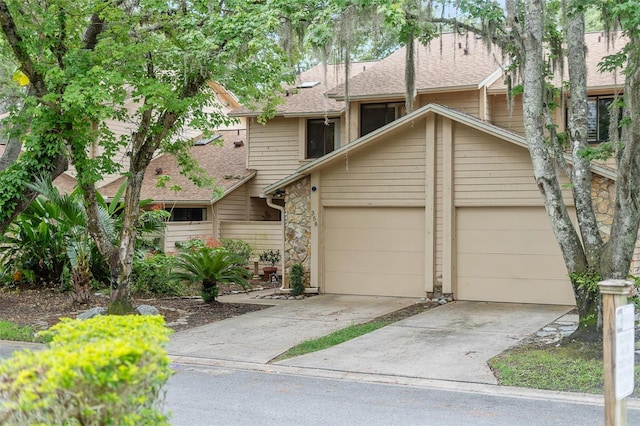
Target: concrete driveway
column 450, row 342
column 262, row 335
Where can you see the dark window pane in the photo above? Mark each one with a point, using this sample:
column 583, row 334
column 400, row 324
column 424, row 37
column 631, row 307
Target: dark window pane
column 604, row 118
column 321, row 137
column 373, row 116
column 187, row 215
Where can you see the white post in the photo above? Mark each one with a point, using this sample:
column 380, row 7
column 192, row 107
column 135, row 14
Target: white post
column 614, row 295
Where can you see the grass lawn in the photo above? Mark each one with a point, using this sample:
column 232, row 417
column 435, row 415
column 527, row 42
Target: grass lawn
column 332, row 339
column 11, row 331
column 570, row 367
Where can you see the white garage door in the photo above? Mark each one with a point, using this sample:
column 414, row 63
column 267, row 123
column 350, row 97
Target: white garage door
column 509, row 254
column 374, row 251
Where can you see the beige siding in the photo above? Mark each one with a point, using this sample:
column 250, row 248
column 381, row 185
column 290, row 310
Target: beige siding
column 234, row 206
column 273, row 151
column 183, row 231
column 467, row 101
column 391, row 172
column 262, row 235
column 489, row 171
column 504, row 117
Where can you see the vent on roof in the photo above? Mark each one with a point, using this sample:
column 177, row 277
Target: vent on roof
column 308, row 84
column 238, row 144
column 205, row 141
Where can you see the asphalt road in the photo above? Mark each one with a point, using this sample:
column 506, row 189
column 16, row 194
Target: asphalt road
column 218, row 396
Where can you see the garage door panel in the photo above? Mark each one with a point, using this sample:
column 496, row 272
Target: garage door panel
column 375, row 251
column 366, row 239
column 485, row 218
column 510, row 290
column 399, row 286
column 510, row 241
column 509, row 254
column 373, row 262
column 547, row 266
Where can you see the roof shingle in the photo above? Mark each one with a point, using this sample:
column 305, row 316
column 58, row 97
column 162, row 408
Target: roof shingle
column 224, row 162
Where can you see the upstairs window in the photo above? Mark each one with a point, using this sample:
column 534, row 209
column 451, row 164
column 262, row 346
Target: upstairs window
column 374, row 116
column 323, row 136
column 598, row 118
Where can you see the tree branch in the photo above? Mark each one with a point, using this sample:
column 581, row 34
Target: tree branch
column 17, row 46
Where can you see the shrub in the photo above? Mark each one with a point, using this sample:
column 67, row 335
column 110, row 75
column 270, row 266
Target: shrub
column 105, row 370
column 240, row 248
column 296, row 279
column 151, row 275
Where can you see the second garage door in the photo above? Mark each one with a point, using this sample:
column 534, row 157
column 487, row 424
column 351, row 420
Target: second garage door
column 509, row 254
column 374, row 251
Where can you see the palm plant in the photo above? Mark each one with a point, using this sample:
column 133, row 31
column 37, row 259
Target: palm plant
column 49, row 241
column 210, row 266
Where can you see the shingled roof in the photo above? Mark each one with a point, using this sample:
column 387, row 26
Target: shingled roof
column 224, row 162
column 598, row 46
column 310, row 100
column 450, row 62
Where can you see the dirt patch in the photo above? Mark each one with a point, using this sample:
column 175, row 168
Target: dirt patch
column 43, row 307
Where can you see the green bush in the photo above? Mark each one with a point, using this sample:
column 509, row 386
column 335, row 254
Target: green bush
column 296, row 279
column 151, row 276
column 240, row 248
column 108, row 370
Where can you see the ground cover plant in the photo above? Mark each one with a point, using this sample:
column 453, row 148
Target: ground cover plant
column 571, row 366
column 105, row 370
column 13, row 331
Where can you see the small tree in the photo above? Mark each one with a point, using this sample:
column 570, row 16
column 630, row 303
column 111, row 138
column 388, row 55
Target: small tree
column 210, row 266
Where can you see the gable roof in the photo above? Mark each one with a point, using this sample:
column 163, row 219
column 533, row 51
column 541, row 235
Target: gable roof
column 224, row 162
column 300, row 101
column 449, row 62
column 407, row 120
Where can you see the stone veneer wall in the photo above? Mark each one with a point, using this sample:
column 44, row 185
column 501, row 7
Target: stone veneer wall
column 603, row 192
column 297, row 227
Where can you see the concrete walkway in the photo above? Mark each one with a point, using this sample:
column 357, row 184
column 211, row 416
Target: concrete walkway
column 260, row 336
column 451, row 342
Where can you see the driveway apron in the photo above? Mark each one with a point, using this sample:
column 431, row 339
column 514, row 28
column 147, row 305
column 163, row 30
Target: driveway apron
column 262, row 335
column 450, row 342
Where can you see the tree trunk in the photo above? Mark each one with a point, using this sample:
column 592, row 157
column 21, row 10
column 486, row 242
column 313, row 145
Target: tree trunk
column 541, row 157
column 120, row 288
column 583, row 280
column 81, row 285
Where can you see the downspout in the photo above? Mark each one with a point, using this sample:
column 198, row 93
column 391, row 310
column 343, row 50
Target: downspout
column 281, row 209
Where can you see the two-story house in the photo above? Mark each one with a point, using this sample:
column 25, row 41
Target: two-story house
column 379, row 201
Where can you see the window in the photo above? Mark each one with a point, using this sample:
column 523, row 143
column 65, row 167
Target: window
column 323, row 136
column 198, row 214
column 598, row 118
column 374, row 116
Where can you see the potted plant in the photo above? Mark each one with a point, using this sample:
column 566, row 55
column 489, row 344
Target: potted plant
column 270, row 257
